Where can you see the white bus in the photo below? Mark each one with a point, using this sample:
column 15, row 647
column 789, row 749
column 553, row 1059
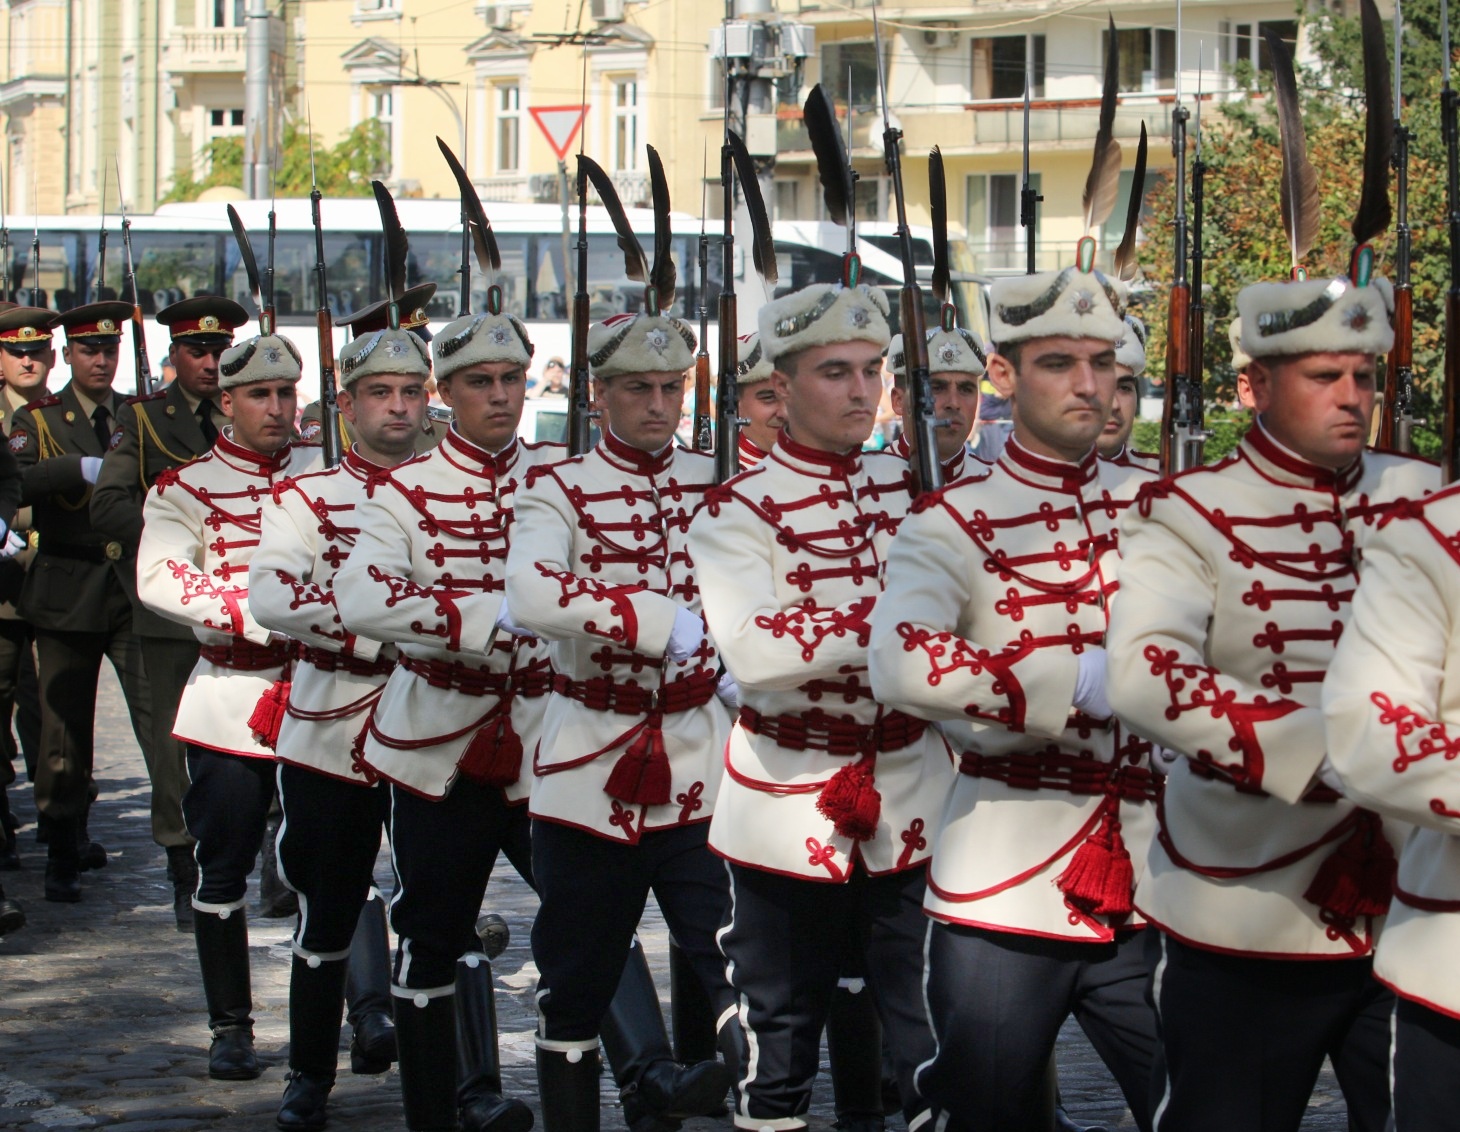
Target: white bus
column 188, row 249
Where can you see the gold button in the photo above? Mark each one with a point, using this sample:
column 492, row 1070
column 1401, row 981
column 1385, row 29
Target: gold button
column 114, row 551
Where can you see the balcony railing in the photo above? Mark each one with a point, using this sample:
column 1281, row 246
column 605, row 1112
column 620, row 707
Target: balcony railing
column 205, row 50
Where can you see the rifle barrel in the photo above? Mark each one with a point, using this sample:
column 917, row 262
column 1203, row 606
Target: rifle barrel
column 579, row 397
column 727, row 395
column 324, row 329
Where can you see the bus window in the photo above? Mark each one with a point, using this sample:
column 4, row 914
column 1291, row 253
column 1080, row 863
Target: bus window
column 922, row 249
column 58, row 288
column 172, row 266
column 84, row 267
column 513, row 250
column 610, row 290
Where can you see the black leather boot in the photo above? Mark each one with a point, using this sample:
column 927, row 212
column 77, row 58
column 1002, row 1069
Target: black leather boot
column 316, row 999
column 691, row 1014
column 657, row 1092
column 276, row 900
column 479, row 1064
column 9, row 823
column 426, row 1035
column 367, row 990
column 568, row 1084
column 12, row 915
column 223, row 958
column 854, row 1050
column 182, row 871
column 63, row 865
column 89, row 854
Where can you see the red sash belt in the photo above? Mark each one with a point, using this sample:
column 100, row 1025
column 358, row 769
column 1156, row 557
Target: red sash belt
column 327, row 661
column 245, row 656
column 601, row 693
column 818, row 731
column 456, row 677
column 1051, row 770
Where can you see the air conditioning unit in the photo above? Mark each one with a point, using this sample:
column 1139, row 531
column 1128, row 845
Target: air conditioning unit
column 498, row 15
column 608, row 11
column 939, row 39
column 369, row 5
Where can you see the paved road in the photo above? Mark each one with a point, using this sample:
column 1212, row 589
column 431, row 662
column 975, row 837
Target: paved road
column 102, row 1021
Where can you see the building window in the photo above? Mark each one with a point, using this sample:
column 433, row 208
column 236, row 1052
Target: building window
column 228, row 14
column 1249, row 44
column 381, row 107
column 509, row 127
column 1147, row 58
column 1000, row 65
column 849, row 74
column 993, row 219
column 625, row 125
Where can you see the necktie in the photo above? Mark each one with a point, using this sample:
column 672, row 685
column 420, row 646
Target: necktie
column 101, row 423
column 205, row 421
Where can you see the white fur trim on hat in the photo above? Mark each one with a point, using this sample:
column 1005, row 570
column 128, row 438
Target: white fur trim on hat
column 479, row 339
column 1240, row 358
column 640, row 343
column 822, row 314
column 1310, row 316
column 1065, row 304
column 1130, row 349
column 271, row 357
column 384, row 351
column 753, row 366
column 949, row 351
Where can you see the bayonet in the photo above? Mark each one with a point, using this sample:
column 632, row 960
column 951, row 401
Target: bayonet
column 35, row 243
column 1396, row 417
column 1180, row 434
column 1196, row 357
column 142, row 363
column 100, row 285
column 1028, row 198
column 704, row 422
column 331, row 442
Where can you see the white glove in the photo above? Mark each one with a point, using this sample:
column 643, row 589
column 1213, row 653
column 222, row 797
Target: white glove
column 504, row 621
column 686, row 635
column 728, row 691
column 1163, row 759
column 90, row 468
column 1328, row 776
column 1090, row 685
column 12, row 546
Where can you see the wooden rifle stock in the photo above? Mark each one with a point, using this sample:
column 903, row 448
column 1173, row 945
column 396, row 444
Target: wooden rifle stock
column 704, row 430
column 727, row 397
column 1178, row 360
column 1399, row 374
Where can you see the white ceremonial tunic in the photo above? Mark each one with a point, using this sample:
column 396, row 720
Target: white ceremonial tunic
column 200, row 528
column 1392, row 700
column 1236, row 586
column 336, row 676
column 791, row 557
column 1128, row 457
column 428, row 572
column 599, row 565
column 994, row 586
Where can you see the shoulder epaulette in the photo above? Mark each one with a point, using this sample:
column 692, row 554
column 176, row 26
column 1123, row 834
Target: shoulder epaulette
column 140, row 398
column 43, row 402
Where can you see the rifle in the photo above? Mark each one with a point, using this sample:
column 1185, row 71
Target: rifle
column 1450, row 123
column 100, row 285
column 580, row 410
column 1028, row 198
column 1196, row 356
column 139, row 338
column 1180, row 436
column 330, row 441
column 8, row 293
column 927, row 470
column 704, row 425
column 727, row 390
column 1396, row 419
column 35, row 243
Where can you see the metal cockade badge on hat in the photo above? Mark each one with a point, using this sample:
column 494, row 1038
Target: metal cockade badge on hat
column 499, row 336
column 859, row 317
column 1082, row 302
column 948, row 353
column 657, row 340
column 273, row 355
column 1357, row 317
column 395, row 348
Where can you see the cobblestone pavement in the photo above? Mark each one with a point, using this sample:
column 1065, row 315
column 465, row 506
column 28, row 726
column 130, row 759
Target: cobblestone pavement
column 102, row 1021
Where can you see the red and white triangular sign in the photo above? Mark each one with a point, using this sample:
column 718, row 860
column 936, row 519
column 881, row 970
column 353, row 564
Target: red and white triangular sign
column 560, row 124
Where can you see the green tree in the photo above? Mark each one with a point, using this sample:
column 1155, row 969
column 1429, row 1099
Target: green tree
column 343, row 171
column 1243, row 238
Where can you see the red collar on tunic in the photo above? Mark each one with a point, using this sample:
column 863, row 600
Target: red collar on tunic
column 624, row 455
column 816, row 461
column 258, row 462
column 1041, row 471
column 1281, row 464
column 488, row 463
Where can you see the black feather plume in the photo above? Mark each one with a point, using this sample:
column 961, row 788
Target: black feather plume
column 250, row 265
column 938, row 205
column 397, row 247
column 1102, row 183
column 636, row 266
column 1302, row 207
column 763, row 244
column 1374, row 212
column 661, row 271
column 489, row 259
column 831, row 154
column 1125, row 254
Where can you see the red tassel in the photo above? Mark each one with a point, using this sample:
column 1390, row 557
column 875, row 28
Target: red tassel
column 268, row 713
column 1099, row 877
column 851, row 801
column 494, row 755
column 641, row 775
column 1357, row 878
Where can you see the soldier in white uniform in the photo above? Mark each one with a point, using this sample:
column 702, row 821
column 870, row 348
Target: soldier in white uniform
column 993, row 623
column 629, row 755
column 955, row 365
column 829, row 800
column 759, row 405
column 1130, row 365
column 334, row 807
column 200, row 528
column 1390, row 701
column 1268, row 887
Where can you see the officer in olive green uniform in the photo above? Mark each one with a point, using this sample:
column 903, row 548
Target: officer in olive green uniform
column 71, row 596
column 367, row 320
column 159, row 432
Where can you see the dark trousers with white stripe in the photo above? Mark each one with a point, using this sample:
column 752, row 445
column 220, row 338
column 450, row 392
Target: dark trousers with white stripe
column 327, row 847
column 226, row 806
column 997, row 1001
column 443, row 851
column 784, row 954
column 1426, row 1067
column 1246, row 1037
